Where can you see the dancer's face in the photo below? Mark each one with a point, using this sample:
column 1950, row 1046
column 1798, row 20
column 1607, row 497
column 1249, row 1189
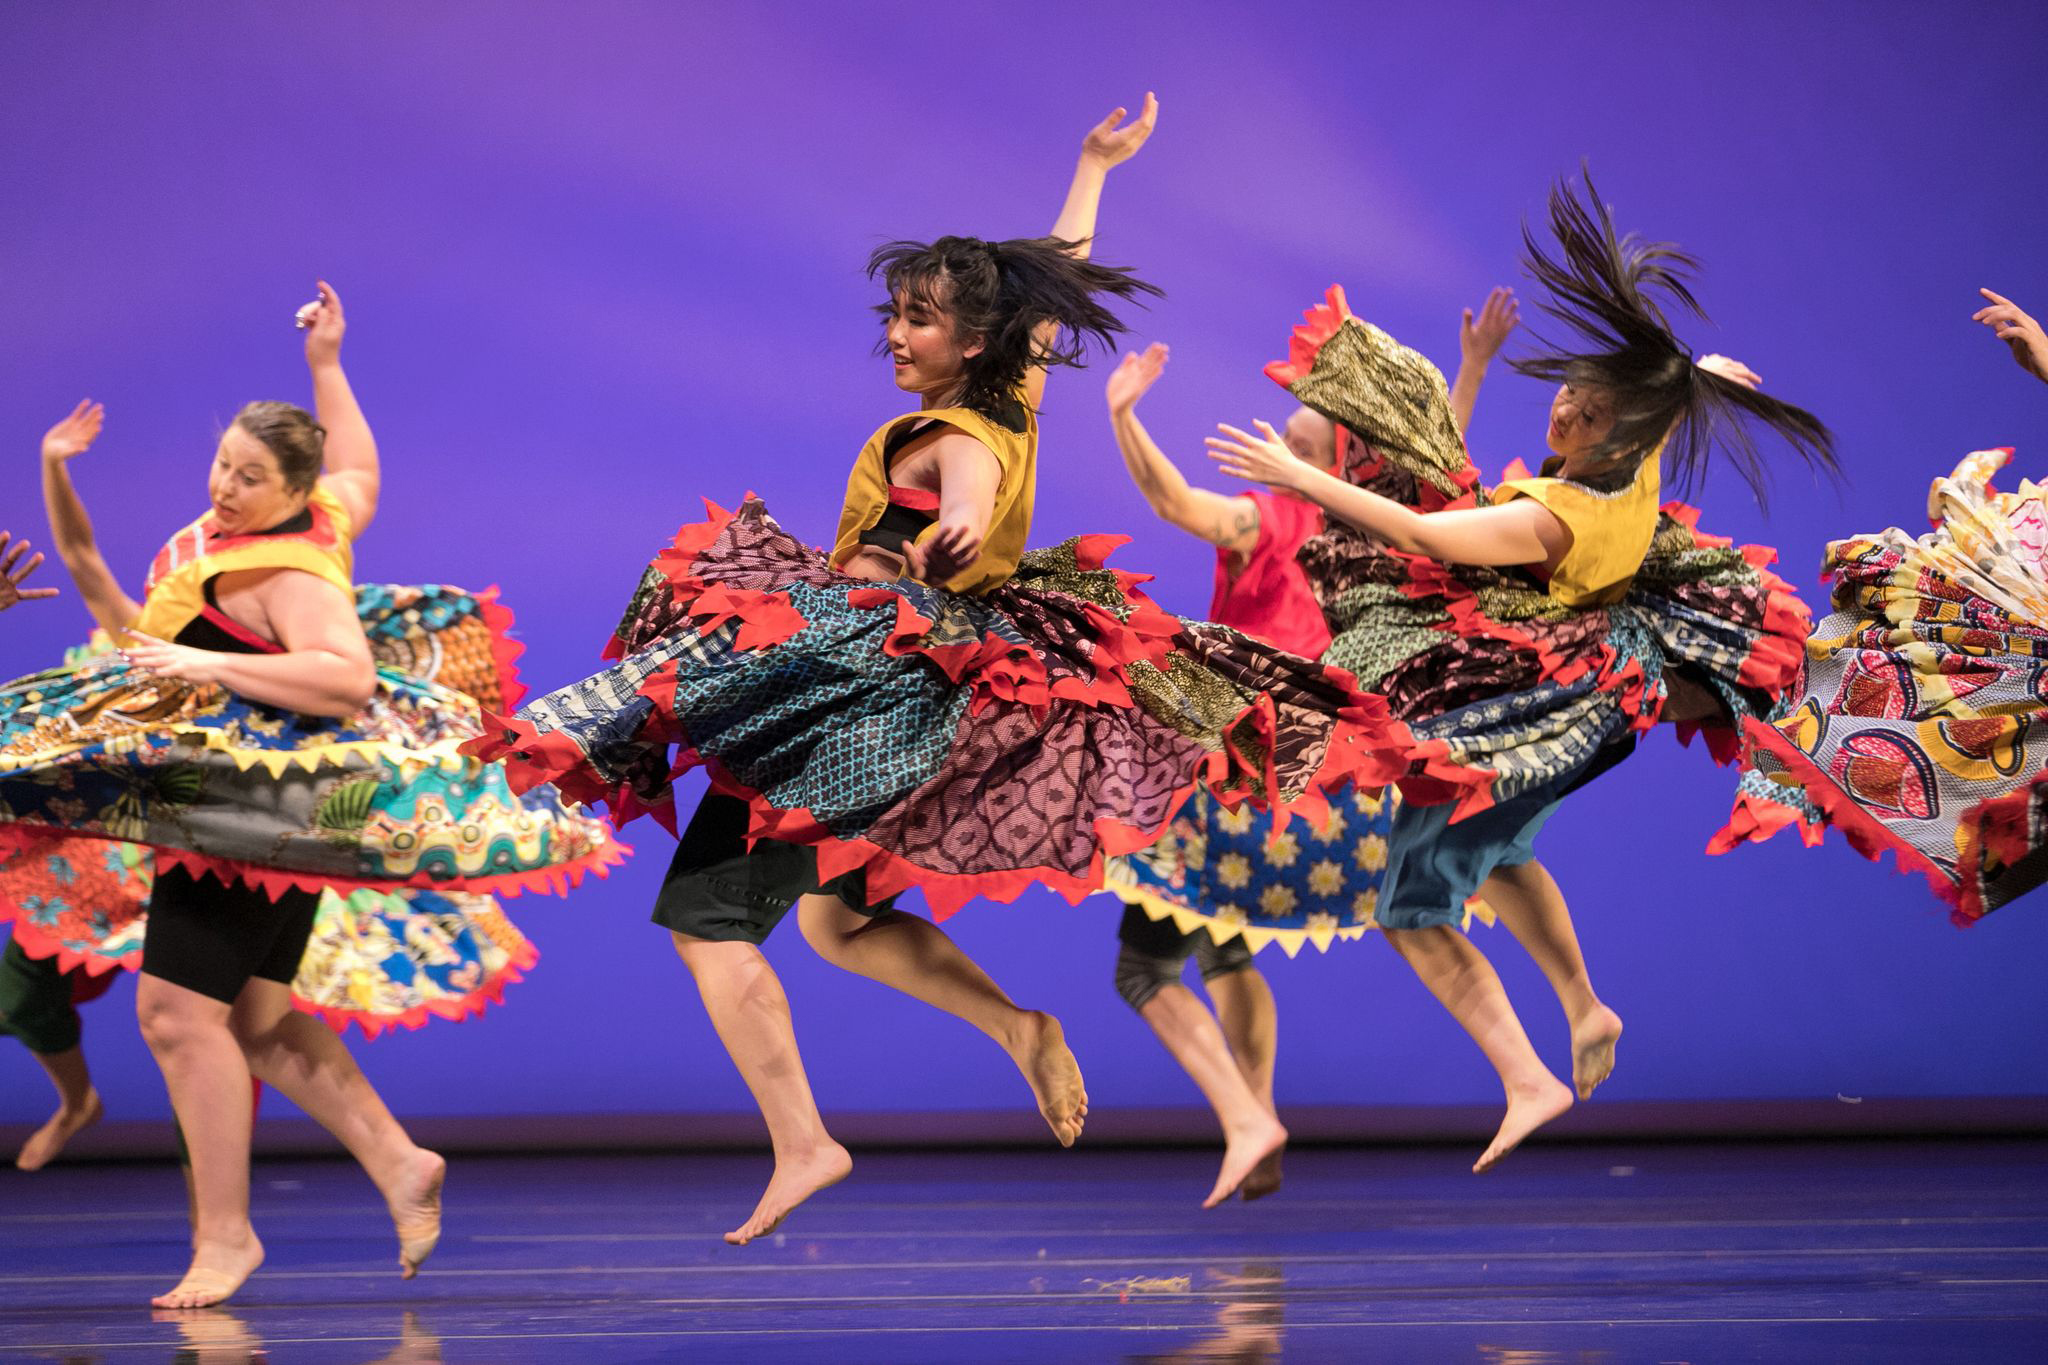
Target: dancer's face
column 929, row 358
column 1581, row 416
column 1312, row 437
column 247, row 487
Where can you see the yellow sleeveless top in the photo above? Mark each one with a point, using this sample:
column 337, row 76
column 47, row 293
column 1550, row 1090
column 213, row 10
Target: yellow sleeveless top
column 176, row 591
column 1013, row 440
column 1611, row 532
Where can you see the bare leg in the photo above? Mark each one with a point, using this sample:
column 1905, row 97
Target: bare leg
column 1528, row 902
column 1251, row 1024
column 311, row 1066
column 1461, row 978
column 78, row 1108
column 208, row 1080
column 1251, row 1134
column 914, row 956
column 744, row 998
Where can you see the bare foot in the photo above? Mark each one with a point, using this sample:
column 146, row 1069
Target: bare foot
column 1244, row 1153
column 68, row 1122
column 796, row 1179
column 1055, row 1077
column 1527, row 1111
column 218, row 1269
column 1593, row 1040
column 1264, row 1179
column 415, row 1204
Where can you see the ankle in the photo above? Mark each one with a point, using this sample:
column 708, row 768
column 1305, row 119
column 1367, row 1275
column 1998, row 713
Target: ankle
column 809, row 1147
column 1534, row 1085
column 1019, row 1030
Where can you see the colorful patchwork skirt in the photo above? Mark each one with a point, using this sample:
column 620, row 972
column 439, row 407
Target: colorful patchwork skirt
column 1920, row 723
column 377, row 959
column 1505, row 689
column 971, row 746
column 106, row 775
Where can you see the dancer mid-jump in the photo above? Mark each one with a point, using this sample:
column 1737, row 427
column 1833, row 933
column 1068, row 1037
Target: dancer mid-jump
column 928, row 705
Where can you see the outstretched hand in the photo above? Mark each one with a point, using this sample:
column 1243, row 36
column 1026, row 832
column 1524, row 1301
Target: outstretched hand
column 1734, row 371
column 76, row 433
column 1109, row 145
column 324, row 326
column 1135, row 375
column 1481, row 339
column 166, row 660
column 950, row 552
column 2011, row 325
column 1264, row 458
column 12, row 571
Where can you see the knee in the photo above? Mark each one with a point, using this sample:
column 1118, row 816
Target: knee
column 1140, row 976
column 166, row 1022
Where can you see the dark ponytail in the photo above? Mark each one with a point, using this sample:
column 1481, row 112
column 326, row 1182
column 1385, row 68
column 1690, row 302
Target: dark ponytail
column 1001, row 293
column 1602, row 287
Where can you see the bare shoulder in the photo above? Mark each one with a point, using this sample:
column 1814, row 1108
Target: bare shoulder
column 279, row 586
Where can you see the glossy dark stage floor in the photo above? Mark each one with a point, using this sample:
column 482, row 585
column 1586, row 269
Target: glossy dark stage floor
column 1655, row 1252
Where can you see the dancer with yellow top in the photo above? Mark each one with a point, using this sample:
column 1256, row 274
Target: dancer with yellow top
column 247, row 741
column 1529, row 636
column 930, row 705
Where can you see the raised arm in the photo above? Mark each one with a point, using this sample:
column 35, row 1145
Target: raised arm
column 1229, row 521
column 1521, row 532
column 1108, row 144
column 2011, row 325
column 1479, row 340
column 325, row 669
column 351, row 471
column 71, row 529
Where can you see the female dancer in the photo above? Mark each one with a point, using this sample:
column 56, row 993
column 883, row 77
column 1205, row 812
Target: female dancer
column 1526, row 638
column 928, row 705
column 380, row 960
column 248, row 741
column 1917, row 725
column 1211, row 852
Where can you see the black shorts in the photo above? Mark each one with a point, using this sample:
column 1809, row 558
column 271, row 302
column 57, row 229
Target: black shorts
column 1154, row 952
column 214, row 938
column 716, row 889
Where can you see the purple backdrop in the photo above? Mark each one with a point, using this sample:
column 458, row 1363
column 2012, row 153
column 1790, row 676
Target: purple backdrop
column 602, row 259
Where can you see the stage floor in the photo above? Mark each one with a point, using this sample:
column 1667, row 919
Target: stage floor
column 1641, row 1252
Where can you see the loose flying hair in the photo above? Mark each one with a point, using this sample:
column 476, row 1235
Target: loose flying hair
column 1000, row 293
column 1601, row 286
column 291, row 434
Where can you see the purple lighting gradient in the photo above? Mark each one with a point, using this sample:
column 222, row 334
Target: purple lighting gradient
column 603, row 259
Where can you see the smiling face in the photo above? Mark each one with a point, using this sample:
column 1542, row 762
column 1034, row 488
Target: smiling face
column 928, row 357
column 1581, row 417
column 247, row 486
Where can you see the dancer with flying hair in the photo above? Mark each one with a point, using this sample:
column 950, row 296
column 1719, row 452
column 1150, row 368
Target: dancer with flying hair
column 928, row 704
column 1529, row 633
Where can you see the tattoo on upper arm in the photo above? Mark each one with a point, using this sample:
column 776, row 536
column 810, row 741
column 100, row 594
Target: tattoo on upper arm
column 1239, row 522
